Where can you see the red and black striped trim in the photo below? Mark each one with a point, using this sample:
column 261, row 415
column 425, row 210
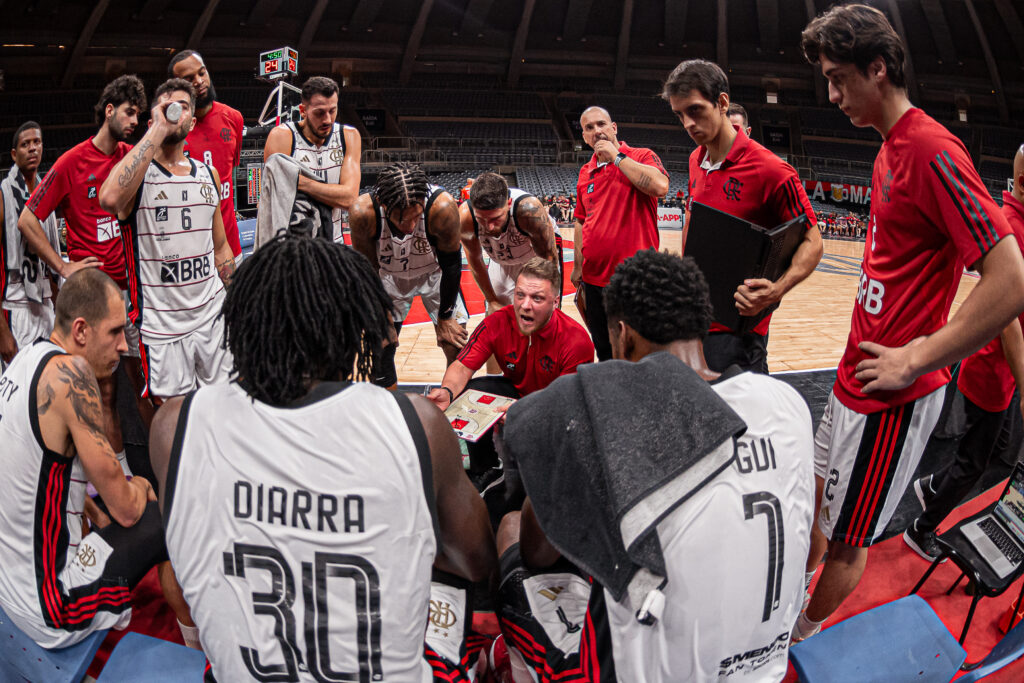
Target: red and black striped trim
column 966, row 202
column 444, row 670
column 794, row 207
column 878, row 458
column 473, row 339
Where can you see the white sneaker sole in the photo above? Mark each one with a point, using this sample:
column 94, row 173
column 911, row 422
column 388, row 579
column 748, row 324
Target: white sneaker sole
column 919, row 491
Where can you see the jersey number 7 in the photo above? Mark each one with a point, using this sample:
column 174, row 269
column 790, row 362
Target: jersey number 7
column 278, row 602
column 764, row 503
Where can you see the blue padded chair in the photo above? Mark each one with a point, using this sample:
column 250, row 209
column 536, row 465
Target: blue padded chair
column 22, row 659
column 143, row 658
column 1006, row 651
column 900, row 641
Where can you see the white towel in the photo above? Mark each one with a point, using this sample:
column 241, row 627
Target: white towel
column 15, row 196
column 283, row 208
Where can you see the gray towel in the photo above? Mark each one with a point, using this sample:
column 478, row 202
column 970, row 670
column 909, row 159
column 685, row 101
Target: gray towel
column 15, row 194
column 283, row 208
column 605, row 454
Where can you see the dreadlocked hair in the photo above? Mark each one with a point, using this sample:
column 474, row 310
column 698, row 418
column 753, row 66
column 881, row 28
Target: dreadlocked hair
column 301, row 310
column 401, row 185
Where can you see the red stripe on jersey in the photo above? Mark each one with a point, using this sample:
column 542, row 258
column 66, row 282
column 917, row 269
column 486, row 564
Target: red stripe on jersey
column 51, row 529
column 880, row 437
column 144, row 358
column 182, row 258
column 878, row 485
column 987, row 228
column 885, row 446
column 190, row 231
column 944, row 168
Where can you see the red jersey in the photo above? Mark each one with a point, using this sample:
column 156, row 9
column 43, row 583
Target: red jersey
column 985, row 376
column 618, row 219
column 216, row 140
column 930, row 215
column 753, row 184
column 73, row 185
column 530, row 363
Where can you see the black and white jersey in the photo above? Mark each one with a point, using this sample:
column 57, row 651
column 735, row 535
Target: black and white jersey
column 513, row 246
column 51, row 593
column 735, row 554
column 324, row 160
column 407, row 257
column 172, row 274
column 303, row 536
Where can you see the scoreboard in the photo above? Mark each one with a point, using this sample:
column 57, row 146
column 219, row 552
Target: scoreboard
column 280, row 63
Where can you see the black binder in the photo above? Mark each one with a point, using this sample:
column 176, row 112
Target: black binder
column 730, row 250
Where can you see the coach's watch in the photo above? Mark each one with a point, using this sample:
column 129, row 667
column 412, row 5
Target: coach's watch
column 619, row 157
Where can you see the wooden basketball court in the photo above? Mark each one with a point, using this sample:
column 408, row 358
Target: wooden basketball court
column 808, row 331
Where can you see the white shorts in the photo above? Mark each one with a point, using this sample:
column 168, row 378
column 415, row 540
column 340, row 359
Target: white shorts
column 867, row 462
column 131, row 333
column 31, row 321
column 503, row 279
column 177, row 367
column 428, row 289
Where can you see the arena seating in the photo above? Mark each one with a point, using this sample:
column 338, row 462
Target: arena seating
column 447, row 102
column 623, row 109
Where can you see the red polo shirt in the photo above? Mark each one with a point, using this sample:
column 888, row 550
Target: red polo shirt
column 985, row 376
column 618, row 219
column 753, row 184
column 530, row 363
column 216, row 140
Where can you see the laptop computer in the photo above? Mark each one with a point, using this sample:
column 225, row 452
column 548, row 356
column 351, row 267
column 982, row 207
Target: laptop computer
column 999, row 536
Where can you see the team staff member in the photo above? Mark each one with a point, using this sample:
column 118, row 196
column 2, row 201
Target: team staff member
column 930, row 215
column 534, row 343
column 324, row 146
column 738, row 117
column 216, row 139
column 25, row 286
column 732, row 173
column 616, row 213
column 93, row 234
column 986, row 380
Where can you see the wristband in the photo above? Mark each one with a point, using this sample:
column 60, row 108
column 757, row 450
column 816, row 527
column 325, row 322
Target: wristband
column 619, row 157
column 451, row 396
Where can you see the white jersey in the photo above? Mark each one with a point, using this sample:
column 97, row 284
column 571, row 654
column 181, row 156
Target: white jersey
column 735, row 553
column 172, row 274
column 302, row 536
column 407, row 257
column 325, row 160
column 51, row 596
column 27, row 276
column 513, row 246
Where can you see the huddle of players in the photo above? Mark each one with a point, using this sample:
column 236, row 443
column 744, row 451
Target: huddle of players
column 292, row 347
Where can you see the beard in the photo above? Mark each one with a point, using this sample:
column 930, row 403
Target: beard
column 208, row 99
column 177, row 136
column 117, row 131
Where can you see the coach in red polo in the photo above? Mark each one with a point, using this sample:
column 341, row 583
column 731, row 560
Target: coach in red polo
column 732, row 173
column 616, row 214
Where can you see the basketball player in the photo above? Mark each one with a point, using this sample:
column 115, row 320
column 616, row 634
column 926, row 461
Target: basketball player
column 738, row 117
column 25, row 287
column 512, row 226
column 93, row 234
column 930, row 215
column 409, row 231
column 986, row 382
column 57, row 585
column 216, row 138
column 744, row 522
column 180, row 258
column 736, row 175
column 326, row 147
column 340, row 495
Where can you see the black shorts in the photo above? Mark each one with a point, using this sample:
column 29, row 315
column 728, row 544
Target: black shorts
column 556, row 621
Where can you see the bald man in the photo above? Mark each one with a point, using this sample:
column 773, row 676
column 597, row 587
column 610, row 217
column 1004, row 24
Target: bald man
column 616, row 214
column 986, row 381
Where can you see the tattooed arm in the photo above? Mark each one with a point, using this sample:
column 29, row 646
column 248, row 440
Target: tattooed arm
column 535, row 221
column 71, row 422
column 118, row 190
column 223, row 257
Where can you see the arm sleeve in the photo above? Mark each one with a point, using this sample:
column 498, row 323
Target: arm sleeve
column 791, row 200
column 451, row 276
column 954, row 199
column 50, row 192
column 479, row 346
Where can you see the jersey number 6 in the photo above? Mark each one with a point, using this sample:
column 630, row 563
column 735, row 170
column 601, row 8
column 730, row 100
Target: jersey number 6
column 278, row 604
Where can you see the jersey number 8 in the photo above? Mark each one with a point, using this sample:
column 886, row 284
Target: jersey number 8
column 278, row 602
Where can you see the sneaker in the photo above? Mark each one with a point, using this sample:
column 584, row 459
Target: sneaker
column 923, row 489
column 499, row 661
column 488, row 479
column 922, row 542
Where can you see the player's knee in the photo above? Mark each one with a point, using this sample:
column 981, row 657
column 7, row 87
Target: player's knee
column 508, row 532
column 844, row 553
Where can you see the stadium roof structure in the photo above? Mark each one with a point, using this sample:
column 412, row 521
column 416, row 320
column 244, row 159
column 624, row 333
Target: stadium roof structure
column 962, row 52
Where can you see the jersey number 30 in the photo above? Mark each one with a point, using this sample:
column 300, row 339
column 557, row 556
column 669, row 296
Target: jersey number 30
column 764, row 503
column 278, row 602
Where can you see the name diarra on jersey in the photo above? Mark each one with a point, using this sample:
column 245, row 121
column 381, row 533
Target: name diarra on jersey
column 299, row 508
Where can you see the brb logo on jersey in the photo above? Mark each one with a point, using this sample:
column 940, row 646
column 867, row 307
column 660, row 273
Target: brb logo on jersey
column 186, row 270
column 870, row 293
column 732, row 188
